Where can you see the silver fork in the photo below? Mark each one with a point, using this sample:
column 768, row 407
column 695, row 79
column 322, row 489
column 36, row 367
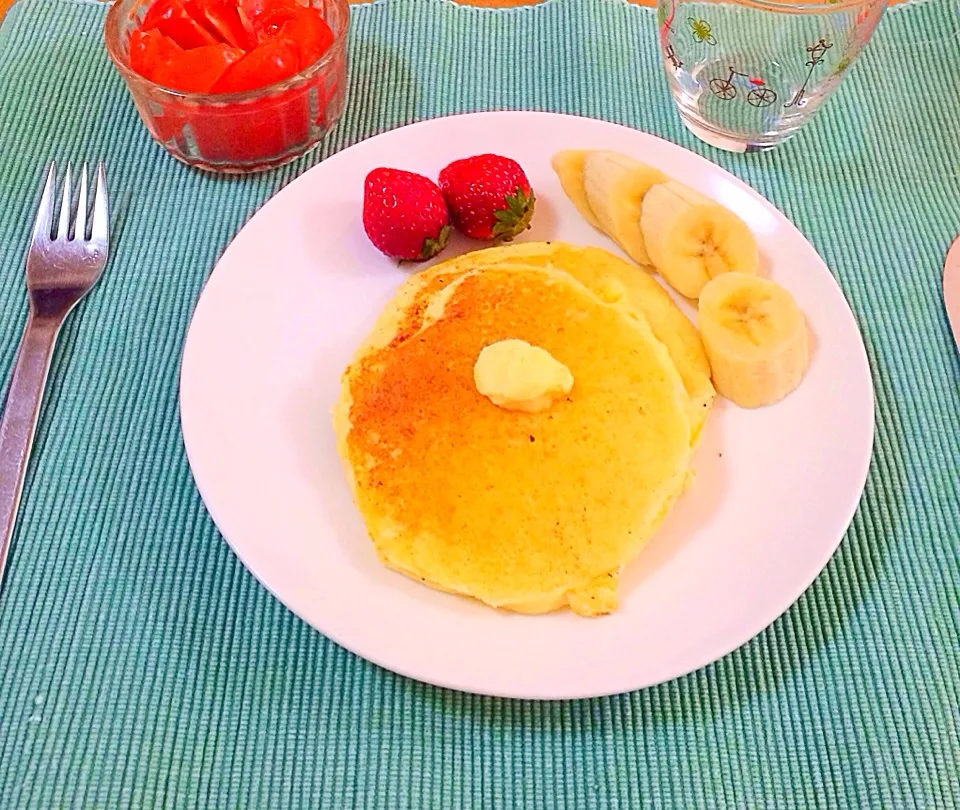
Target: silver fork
column 60, row 271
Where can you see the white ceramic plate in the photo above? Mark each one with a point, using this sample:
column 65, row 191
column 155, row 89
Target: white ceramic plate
column 298, row 289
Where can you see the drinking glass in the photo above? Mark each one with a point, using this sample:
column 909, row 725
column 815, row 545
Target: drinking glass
column 748, row 74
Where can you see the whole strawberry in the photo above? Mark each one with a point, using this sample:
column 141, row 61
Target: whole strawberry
column 404, row 214
column 489, row 197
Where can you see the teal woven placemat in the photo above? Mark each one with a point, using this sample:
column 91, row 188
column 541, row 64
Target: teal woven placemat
column 142, row 667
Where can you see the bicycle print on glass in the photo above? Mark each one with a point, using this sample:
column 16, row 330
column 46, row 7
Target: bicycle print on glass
column 758, row 96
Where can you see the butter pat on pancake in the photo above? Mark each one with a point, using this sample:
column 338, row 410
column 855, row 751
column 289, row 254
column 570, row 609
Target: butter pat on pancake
column 514, row 375
column 523, row 511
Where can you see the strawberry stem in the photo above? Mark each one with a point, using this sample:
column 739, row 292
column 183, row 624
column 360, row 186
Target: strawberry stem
column 515, row 218
column 431, row 247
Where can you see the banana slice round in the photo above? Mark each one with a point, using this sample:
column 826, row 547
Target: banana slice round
column 568, row 166
column 615, row 187
column 691, row 239
column 755, row 337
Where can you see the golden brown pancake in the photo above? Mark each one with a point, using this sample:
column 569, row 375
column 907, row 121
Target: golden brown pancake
column 613, row 279
column 523, row 511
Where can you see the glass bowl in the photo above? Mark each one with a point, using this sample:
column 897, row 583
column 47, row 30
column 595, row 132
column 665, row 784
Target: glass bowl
column 239, row 132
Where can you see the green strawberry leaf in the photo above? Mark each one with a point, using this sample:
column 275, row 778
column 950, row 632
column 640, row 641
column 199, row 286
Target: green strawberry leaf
column 431, row 247
column 515, row 218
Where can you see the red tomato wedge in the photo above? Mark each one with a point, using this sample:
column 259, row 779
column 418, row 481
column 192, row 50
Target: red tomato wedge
column 172, row 19
column 149, row 50
column 253, row 9
column 311, row 35
column 268, row 25
column 271, row 61
column 223, row 18
column 196, row 70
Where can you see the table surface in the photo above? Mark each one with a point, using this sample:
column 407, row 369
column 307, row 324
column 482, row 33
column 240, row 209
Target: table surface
column 5, row 4
column 144, row 667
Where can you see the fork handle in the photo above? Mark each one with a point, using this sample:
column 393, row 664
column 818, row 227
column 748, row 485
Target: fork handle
column 19, row 421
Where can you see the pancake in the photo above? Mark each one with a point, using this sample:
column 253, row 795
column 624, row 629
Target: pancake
column 613, row 279
column 524, row 511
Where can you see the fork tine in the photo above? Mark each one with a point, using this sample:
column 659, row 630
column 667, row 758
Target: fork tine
column 80, row 229
column 101, row 208
column 63, row 231
column 41, row 228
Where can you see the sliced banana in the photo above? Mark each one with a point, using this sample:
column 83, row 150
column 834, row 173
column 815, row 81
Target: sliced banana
column 615, row 186
column 691, row 238
column 755, row 337
column 569, row 168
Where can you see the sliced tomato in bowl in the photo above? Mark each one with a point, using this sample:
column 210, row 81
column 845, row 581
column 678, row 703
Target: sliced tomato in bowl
column 256, row 9
column 173, row 19
column 220, row 47
column 276, row 39
column 250, row 132
column 223, row 18
column 311, row 35
column 196, row 70
column 271, row 61
column 149, row 50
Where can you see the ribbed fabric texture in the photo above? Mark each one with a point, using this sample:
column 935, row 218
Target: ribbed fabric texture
column 143, row 667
